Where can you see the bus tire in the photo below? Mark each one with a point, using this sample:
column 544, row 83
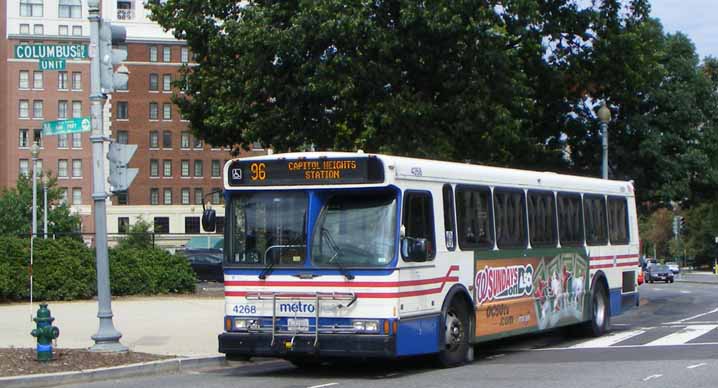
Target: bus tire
column 600, row 312
column 455, row 347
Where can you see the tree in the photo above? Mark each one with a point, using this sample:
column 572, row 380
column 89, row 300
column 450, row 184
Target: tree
column 139, row 236
column 16, row 209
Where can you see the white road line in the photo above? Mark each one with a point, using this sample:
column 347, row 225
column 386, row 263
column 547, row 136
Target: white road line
column 696, row 365
column 494, row 356
column 651, row 377
column 682, row 336
column 323, row 385
column 696, row 316
column 685, row 292
column 608, row 340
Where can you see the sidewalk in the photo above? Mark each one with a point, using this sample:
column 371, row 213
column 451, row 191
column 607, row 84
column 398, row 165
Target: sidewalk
column 703, row 277
column 170, row 325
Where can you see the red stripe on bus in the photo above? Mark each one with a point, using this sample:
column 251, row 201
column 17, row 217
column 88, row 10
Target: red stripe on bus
column 404, row 283
column 631, row 256
column 599, row 266
column 628, row 264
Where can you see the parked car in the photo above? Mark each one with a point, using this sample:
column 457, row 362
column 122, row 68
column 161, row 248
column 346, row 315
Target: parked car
column 674, row 267
column 205, row 255
column 659, row 272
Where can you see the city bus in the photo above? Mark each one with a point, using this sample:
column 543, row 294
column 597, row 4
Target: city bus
column 331, row 255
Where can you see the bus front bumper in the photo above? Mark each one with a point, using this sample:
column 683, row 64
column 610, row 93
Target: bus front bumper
column 330, row 345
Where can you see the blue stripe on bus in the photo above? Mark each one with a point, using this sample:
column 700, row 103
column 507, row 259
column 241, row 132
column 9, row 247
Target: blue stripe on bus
column 418, row 336
column 620, row 302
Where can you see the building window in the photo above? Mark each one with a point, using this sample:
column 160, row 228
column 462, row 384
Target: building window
column 198, row 196
column 32, row 8
column 24, row 82
column 77, row 168
column 37, row 109
column 154, row 111
column 24, row 167
column 123, row 198
column 185, row 196
column 167, row 168
column 76, row 80
column 37, row 80
column 184, row 54
column 166, row 139
column 166, row 111
column 62, row 109
column 77, row 109
column 167, row 82
column 70, row 9
column 220, row 225
column 154, row 82
column 198, row 143
column 24, row 140
column 184, row 142
column 153, row 54
column 166, row 54
column 185, row 168
column 62, row 80
column 38, row 29
column 216, row 196
column 62, row 30
column 77, row 196
column 122, row 137
column 123, row 225
column 154, row 196
column 216, row 169
column 25, row 29
column 62, row 140
column 162, row 224
column 24, row 109
column 198, row 168
column 191, row 225
column 122, row 110
column 63, row 195
column 76, row 140
column 76, row 30
column 154, row 168
column 62, row 168
column 154, row 139
column 168, row 197
column 37, row 136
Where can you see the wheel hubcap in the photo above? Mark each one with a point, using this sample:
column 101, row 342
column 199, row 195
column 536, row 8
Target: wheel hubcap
column 599, row 310
column 454, row 331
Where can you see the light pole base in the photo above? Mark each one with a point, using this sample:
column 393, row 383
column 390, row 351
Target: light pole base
column 108, row 347
column 107, row 339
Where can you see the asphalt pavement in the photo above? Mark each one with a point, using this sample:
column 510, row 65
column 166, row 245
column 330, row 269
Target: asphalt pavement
column 671, row 340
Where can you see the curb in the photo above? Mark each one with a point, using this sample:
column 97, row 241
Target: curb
column 697, row 282
column 132, row 370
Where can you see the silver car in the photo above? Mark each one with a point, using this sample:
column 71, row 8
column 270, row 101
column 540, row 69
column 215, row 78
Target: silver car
column 673, row 266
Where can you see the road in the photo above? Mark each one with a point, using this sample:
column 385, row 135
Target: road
column 670, row 341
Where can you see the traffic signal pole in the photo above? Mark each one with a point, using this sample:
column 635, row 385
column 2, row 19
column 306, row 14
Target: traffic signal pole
column 107, row 338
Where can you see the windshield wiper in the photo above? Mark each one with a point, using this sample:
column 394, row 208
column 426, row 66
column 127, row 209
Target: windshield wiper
column 267, row 270
column 337, row 252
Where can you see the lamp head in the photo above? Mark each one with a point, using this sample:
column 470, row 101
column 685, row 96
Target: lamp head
column 604, row 114
column 35, row 150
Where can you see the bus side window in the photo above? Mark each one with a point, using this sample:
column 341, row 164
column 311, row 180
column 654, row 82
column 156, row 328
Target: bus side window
column 542, row 218
column 474, row 212
column 510, row 213
column 449, row 223
column 594, row 208
column 418, row 221
column 618, row 220
column 570, row 219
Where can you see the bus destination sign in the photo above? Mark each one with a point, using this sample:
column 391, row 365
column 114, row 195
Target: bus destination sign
column 323, row 171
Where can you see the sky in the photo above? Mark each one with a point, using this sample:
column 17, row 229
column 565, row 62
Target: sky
column 698, row 19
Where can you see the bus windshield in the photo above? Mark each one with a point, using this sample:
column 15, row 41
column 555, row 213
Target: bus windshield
column 355, row 230
column 268, row 228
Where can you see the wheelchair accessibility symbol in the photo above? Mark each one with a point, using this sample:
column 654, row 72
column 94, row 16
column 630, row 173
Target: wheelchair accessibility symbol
column 237, row 174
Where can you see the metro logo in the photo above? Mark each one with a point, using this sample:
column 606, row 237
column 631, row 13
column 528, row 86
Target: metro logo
column 296, row 307
column 493, row 283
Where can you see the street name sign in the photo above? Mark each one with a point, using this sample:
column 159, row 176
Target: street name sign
column 59, row 127
column 51, row 56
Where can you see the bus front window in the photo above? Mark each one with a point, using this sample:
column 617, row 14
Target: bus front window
column 268, row 228
column 356, row 230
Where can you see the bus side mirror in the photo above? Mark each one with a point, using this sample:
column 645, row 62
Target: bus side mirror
column 414, row 249
column 209, row 220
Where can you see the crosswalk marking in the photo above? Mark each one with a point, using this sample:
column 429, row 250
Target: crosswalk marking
column 608, row 340
column 682, row 336
column 695, row 316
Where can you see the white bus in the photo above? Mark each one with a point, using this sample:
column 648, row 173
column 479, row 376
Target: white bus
column 333, row 254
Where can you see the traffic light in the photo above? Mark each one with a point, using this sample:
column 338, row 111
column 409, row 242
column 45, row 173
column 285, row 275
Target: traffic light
column 109, row 58
column 681, row 225
column 120, row 175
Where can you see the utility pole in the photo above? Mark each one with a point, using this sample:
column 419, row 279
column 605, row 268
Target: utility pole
column 604, row 115
column 44, row 214
column 107, row 338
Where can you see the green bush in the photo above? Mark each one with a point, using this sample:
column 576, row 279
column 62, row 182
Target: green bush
column 149, row 271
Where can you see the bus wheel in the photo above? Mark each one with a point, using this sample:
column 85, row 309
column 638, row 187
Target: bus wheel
column 455, row 350
column 600, row 316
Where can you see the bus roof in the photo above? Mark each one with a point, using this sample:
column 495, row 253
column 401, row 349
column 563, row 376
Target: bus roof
column 398, row 168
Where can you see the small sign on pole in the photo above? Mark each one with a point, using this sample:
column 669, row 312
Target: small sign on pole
column 60, row 127
column 51, row 56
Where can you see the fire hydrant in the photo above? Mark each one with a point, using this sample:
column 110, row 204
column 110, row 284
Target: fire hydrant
column 44, row 333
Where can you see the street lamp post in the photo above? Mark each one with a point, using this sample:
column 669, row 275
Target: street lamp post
column 604, row 115
column 44, row 213
column 35, row 152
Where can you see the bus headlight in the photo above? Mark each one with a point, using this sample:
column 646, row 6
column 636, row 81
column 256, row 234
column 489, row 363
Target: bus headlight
column 367, row 326
column 246, row 324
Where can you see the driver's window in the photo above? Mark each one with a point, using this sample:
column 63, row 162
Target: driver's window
column 418, row 219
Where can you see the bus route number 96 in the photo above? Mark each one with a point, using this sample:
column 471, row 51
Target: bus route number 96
column 258, row 171
column 244, row 309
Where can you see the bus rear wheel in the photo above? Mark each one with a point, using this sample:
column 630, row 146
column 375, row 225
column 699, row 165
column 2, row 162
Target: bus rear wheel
column 600, row 316
column 455, row 344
